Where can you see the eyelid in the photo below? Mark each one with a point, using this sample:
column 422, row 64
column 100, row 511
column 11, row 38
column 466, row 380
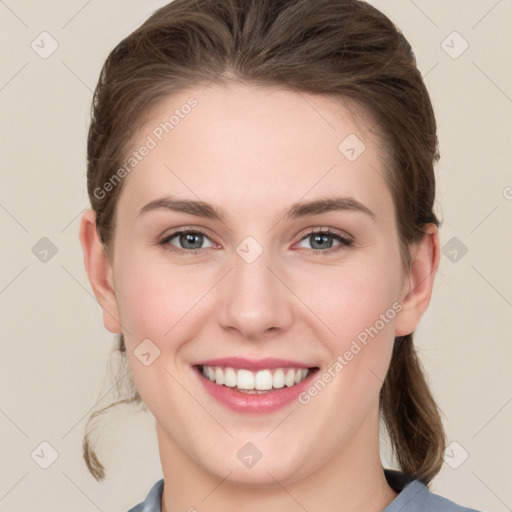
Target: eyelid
column 329, row 231
column 165, row 240
column 344, row 238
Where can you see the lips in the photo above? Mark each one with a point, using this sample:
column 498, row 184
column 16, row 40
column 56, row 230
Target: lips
column 254, row 386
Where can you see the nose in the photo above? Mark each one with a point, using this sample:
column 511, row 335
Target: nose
column 254, row 299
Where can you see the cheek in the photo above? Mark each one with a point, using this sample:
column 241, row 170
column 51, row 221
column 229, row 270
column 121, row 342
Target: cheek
column 152, row 298
column 155, row 304
column 360, row 306
column 353, row 297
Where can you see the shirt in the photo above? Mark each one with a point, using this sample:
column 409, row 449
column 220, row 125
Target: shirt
column 414, row 496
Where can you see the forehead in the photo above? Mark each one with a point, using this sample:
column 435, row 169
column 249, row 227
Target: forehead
column 253, row 148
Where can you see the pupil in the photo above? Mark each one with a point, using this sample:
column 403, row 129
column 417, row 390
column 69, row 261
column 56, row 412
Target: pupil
column 189, row 238
column 320, row 238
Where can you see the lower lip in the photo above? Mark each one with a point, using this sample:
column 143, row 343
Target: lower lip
column 254, row 403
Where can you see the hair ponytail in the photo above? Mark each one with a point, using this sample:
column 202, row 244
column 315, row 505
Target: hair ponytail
column 412, row 418
column 131, row 396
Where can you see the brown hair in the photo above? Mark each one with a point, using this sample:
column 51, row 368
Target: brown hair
column 342, row 48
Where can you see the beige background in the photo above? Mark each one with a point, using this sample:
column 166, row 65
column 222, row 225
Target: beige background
column 54, row 346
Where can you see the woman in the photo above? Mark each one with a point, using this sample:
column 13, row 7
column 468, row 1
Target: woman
column 262, row 239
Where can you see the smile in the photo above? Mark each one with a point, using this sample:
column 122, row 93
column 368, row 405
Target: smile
column 254, row 386
column 260, row 381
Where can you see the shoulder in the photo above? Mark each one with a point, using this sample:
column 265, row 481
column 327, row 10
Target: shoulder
column 153, row 499
column 414, row 496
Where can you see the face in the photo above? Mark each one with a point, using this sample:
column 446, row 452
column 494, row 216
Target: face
column 266, row 288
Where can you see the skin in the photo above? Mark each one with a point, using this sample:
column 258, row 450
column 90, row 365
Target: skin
column 254, row 151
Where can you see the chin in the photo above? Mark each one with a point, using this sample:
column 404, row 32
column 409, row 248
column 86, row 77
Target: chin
column 271, row 470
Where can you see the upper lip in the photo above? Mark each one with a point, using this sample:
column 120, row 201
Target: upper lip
column 252, row 364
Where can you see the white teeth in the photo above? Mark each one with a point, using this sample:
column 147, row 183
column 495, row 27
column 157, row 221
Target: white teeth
column 219, row 376
column 278, row 378
column 290, row 377
column 229, row 377
column 245, row 379
column 262, row 380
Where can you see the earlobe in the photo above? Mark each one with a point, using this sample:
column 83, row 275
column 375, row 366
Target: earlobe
column 417, row 290
column 99, row 271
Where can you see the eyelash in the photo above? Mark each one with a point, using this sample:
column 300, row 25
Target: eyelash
column 344, row 242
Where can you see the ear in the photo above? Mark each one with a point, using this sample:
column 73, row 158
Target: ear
column 417, row 289
column 99, row 270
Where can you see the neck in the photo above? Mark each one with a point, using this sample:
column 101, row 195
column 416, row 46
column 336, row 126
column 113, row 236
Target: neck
column 351, row 481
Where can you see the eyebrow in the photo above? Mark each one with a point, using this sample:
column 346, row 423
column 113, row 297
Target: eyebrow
column 297, row 210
